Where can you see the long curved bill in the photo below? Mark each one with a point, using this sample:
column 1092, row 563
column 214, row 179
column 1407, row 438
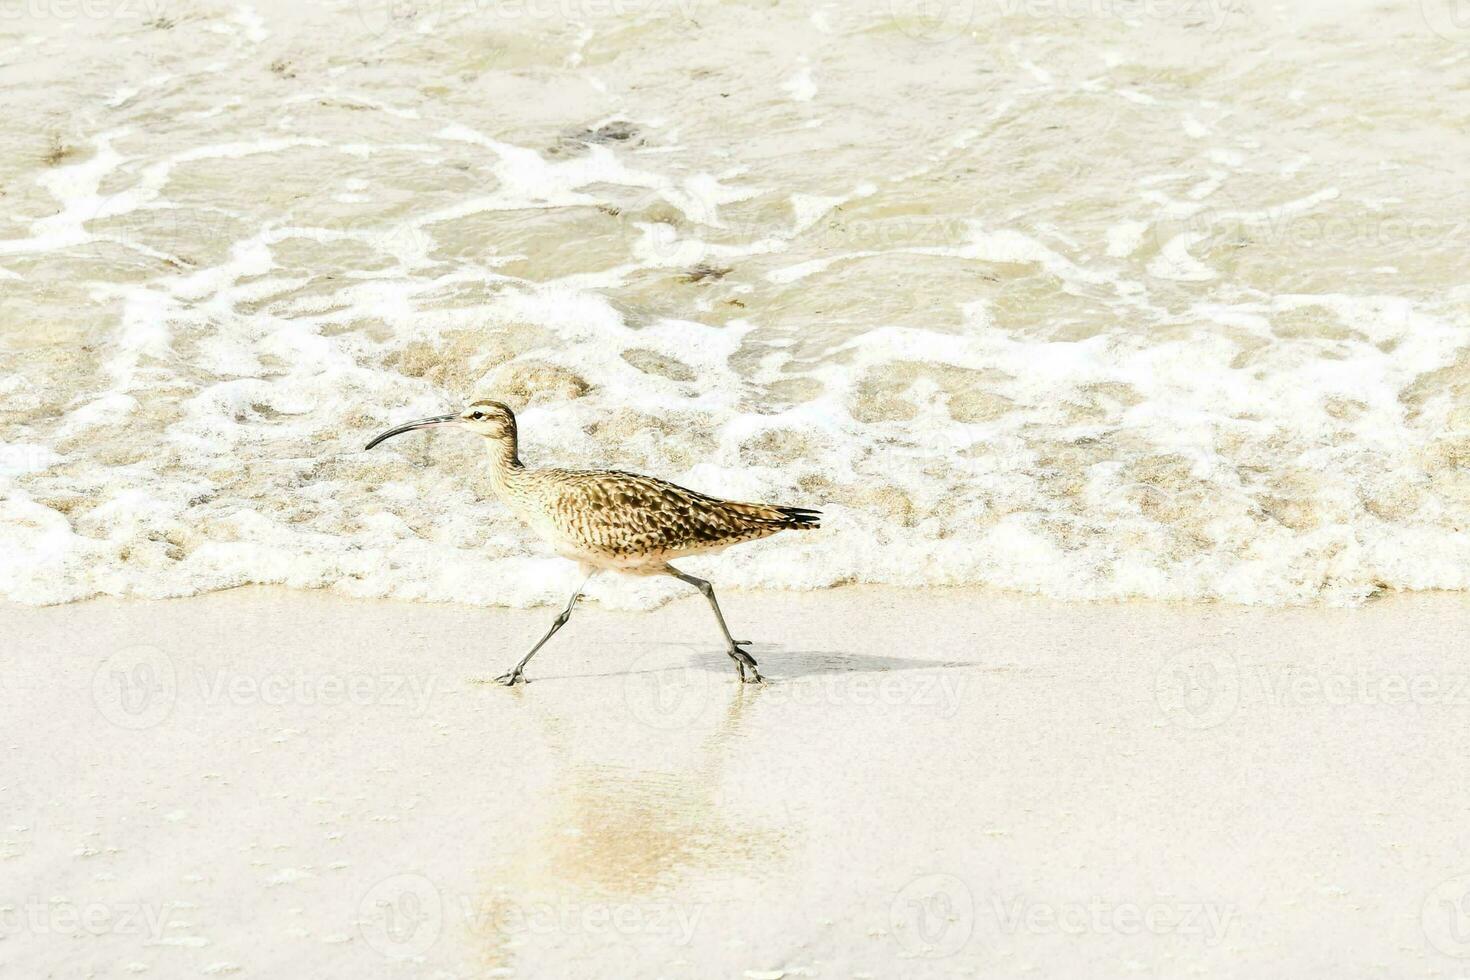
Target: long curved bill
column 411, row 426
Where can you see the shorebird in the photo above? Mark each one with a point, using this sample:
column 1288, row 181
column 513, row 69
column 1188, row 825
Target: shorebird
column 608, row 520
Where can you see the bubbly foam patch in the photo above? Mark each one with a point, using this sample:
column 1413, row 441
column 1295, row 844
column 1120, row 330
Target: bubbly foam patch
column 1077, row 325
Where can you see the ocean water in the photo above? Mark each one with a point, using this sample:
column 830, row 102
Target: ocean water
column 1084, row 298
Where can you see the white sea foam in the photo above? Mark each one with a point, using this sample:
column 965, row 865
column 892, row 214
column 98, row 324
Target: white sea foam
column 1196, row 371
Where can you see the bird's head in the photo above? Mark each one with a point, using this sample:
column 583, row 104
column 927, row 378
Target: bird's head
column 493, row 420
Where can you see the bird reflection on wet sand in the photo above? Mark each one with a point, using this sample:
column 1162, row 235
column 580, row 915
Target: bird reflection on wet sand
column 625, row 847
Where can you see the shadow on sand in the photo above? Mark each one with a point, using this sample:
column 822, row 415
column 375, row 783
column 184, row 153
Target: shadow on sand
column 778, row 664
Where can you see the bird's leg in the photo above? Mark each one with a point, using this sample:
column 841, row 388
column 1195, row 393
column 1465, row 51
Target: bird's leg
column 741, row 658
column 516, row 673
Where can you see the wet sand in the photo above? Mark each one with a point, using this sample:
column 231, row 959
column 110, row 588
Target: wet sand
column 935, row 784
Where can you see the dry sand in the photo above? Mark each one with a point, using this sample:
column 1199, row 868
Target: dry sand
column 933, row 784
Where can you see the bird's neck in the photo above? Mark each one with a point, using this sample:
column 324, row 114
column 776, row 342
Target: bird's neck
column 505, row 461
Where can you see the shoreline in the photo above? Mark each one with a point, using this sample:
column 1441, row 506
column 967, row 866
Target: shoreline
column 933, row 783
column 626, row 601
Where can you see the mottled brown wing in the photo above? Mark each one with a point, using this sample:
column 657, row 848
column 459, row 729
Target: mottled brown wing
column 627, row 514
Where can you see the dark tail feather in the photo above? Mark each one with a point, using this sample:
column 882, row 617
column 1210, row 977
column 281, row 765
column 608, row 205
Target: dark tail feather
column 801, row 517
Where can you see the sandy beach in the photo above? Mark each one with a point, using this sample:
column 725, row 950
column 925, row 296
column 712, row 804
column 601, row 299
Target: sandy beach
column 948, row 783
column 1123, row 347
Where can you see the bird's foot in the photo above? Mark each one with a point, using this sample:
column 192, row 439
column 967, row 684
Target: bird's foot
column 511, row 678
column 744, row 661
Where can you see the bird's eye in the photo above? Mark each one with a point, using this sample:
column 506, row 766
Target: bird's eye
column 478, row 415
